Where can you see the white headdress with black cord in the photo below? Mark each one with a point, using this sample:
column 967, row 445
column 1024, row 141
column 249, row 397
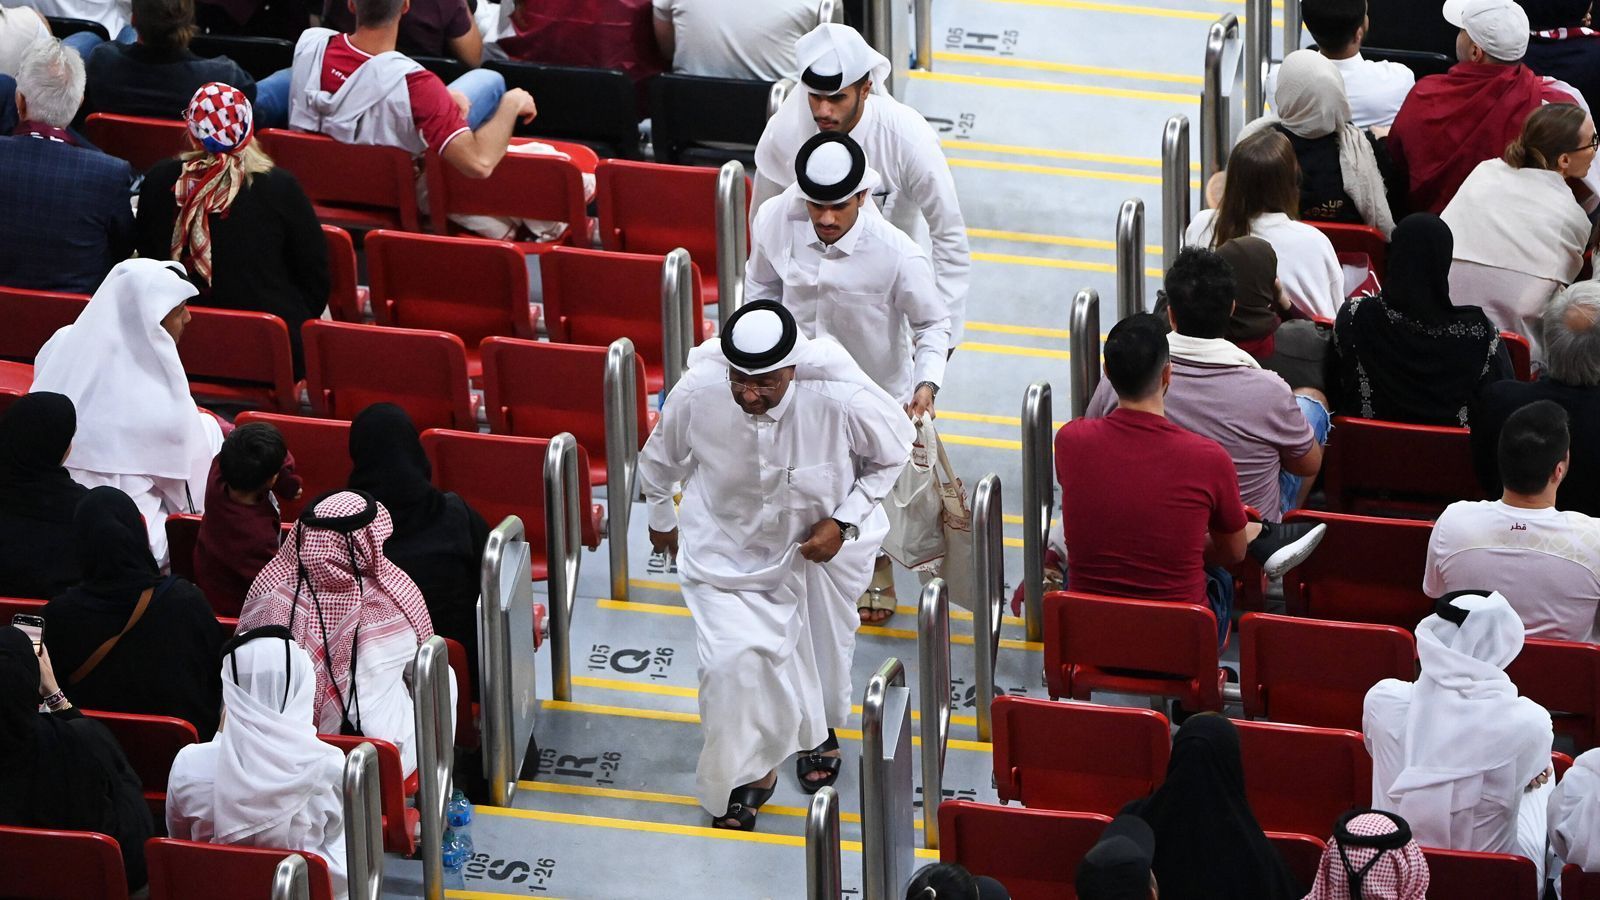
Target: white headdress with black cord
column 832, row 166
column 833, row 57
column 762, row 337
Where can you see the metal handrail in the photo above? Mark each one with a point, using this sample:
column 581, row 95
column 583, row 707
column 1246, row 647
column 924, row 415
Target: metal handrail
column 933, row 676
column 1257, row 54
column 922, row 21
column 677, row 315
column 989, row 593
column 430, row 696
column 879, row 866
column 290, row 880
column 622, row 455
column 779, row 93
column 563, row 529
column 824, row 871
column 733, row 237
column 829, row 11
column 506, row 619
column 1083, row 341
column 1174, row 188
column 1038, row 500
column 1130, row 258
column 886, row 22
column 1291, row 28
column 363, row 824
column 1215, row 115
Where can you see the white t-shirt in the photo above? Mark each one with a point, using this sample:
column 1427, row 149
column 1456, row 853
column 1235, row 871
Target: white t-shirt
column 1545, row 562
column 737, row 38
column 19, row 28
column 1307, row 264
column 1375, row 89
column 113, row 15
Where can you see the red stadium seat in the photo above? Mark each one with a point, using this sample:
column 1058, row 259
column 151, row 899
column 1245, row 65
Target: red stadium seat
column 350, row 185
column 44, row 864
column 1312, row 672
column 1463, row 874
column 521, row 397
column 1078, row 757
column 523, row 186
column 345, row 297
column 1388, row 468
column 503, row 476
column 469, row 287
column 1165, row 648
column 1033, row 852
column 653, row 208
column 1302, row 853
column 15, row 378
column 321, row 449
column 1576, row 884
column 183, row 533
column 1564, row 678
column 237, row 357
column 142, row 142
column 11, row 606
column 189, row 870
column 350, row 367
column 150, row 743
column 1521, row 355
column 1560, row 763
column 593, row 297
column 400, row 821
column 1349, row 238
column 1365, row 570
column 1276, row 760
column 32, row 318
column 467, row 736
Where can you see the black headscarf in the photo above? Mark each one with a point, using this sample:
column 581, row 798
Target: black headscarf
column 1255, row 276
column 1409, row 354
column 1208, row 845
column 35, row 434
column 389, row 464
column 113, row 546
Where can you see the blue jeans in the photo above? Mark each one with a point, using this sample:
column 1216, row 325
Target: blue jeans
column 482, row 87
column 85, row 41
column 1289, row 485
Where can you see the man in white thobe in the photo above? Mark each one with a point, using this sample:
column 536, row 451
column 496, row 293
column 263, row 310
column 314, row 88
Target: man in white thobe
column 1457, row 753
column 784, row 449
column 843, row 81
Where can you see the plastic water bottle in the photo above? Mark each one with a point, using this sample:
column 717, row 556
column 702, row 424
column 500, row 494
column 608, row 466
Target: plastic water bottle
column 458, row 812
column 457, row 850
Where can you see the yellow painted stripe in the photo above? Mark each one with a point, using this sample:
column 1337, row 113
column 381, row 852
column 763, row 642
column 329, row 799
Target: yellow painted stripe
column 1055, row 87
column 1144, row 162
column 1040, row 65
column 660, row 609
column 1055, row 240
column 959, row 615
column 994, row 443
column 983, row 418
column 584, row 790
column 1030, row 168
column 907, row 634
column 999, row 328
column 453, row 894
column 1017, row 520
column 1012, row 350
column 1013, row 542
column 1012, row 259
column 664, row 609
column 639, row 687
column 653, row 585
column 1127, row 9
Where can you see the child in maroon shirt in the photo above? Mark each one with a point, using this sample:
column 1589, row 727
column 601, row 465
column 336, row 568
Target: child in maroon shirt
column 240, row 531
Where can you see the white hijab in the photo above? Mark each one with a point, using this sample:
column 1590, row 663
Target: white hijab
column 1574, row 813
column 1311, row 102
column 122, row 372
column 1525, row 220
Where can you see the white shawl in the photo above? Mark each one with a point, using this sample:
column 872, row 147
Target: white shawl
column 1574, row 814
column 1311, row 102
column 1525, row 220
column 1210, row 351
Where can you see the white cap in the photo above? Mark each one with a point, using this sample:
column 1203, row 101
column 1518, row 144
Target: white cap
column 1500, row 27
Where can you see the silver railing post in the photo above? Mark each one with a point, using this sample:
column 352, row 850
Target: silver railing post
column 1083, row 337
column 779, row 93
column 733, row 238
column 881, row 33
column 1038, row 500
column 622, row 455
column 1257, row 54
column 888, row 827
column 1174, row 188
column 1291, row 26
column 677, row 314
column 1216, row 128
column 562, row 527
column 289, row 880
column 430, row 695
column 829, row 11
column 989, row 596
column 933, row 676
column 824, row 871
column 1130, row 258
column 363, row 824
column 506, row 656
column 922, row 22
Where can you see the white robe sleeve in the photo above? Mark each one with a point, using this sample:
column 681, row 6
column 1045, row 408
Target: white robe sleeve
column 919, row 301
column 667, row 460
column 932, row 188
column 765, row 190
column 762, row 280
column 880, row 441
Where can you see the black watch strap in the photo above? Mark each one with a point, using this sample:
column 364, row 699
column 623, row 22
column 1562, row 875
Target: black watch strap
column 846, row 530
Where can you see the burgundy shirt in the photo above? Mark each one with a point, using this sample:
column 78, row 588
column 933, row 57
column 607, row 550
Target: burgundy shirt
column 236, row 541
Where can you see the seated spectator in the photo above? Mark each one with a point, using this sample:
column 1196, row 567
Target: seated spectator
column 1457, row 753
column 1344, row 169
column 1451, row 122
column 1371, row 856
column 1574, row 816
column 1572, row 379
column 733, row 38
column 127, row 638
column 266, row 779
column 439, row 28
column 1273, row 435
column 1520, row 235
column 1117, row 867
column 20, row 26
column 1259, row 298
column 79, row 221
column 37, row 498
column 1375, row 89
column 1563, row 46
column 952, row 880
column 1545, row 561
column 59, row 769
column 330, row 581
column 602, row 34
column 242, row 226
column 1208, row 844
column 1409, row 354
column 1261, row 197
column 115, row 16
column 138, row 428
column 156, row 75
column 438, row 539
column 241, row 530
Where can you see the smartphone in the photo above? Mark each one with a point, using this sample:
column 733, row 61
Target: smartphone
column 33, row 627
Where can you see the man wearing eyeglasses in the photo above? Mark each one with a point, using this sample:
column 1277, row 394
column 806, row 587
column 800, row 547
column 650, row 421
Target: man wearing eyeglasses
column 784, row 449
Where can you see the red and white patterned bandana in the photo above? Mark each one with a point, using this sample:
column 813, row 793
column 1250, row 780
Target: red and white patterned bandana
column 220, row 118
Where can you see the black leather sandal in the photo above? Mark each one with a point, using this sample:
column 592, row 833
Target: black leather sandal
column 743, row 804
column 811, row 761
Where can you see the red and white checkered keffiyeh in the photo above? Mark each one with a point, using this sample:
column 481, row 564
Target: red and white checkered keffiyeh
column 222, row 123
column 1401, row 874
column 382, row 599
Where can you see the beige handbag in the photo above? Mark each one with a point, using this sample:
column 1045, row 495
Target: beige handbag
column 956, row 567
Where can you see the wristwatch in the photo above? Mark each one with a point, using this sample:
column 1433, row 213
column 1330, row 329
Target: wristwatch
column 930, row 385
column 847, row 531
